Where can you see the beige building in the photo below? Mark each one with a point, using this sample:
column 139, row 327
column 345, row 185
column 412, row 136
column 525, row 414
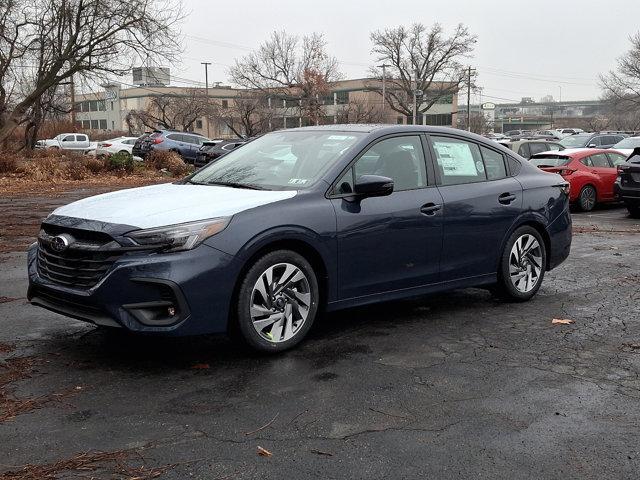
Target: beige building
column 355, row 100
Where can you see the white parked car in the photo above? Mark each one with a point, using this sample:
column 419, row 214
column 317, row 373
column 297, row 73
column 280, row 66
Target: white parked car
column 116, row 145
column 627, row 145
column 78, row 142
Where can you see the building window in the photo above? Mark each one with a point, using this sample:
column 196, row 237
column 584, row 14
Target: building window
column 113, row 125
column 93, row 106
column 225, row 103
column 199, row 124
column 112, row 106
column 101, row 105
column 95, row 124
column 86, row 124
column 439, row 119
column 399, row 120
column 103, row 124
column 342, row 98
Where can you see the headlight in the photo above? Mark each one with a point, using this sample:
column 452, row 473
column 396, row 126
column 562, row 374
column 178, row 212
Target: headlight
column 183, row 236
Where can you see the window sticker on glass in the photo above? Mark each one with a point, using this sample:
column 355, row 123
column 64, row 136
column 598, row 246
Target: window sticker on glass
column 298, row 181
column 456, row 159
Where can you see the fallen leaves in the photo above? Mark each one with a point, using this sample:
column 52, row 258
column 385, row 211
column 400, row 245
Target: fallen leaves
column 115, row 464
column 200, row 366
column 562, row 321
column 263, row 452
column 7, row 299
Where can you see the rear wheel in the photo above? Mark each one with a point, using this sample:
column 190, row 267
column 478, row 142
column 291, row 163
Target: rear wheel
column 587, row 199
column 277, row 302
column 522, row 265
column 634, row 210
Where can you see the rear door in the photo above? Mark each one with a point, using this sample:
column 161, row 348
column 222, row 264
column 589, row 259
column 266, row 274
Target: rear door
column 601, row 166
column 481, row 203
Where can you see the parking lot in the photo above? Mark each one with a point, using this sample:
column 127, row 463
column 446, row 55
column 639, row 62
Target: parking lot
column 457, row 385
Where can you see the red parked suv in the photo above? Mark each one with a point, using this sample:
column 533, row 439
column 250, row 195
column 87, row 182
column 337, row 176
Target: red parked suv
column 590, row 171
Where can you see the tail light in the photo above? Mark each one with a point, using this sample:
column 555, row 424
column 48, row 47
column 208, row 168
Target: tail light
column 105, row 145
column 158, row 140
column 565, row 172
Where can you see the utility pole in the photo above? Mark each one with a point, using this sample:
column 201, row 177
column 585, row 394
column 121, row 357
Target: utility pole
column 384, row 90
column 470, row 70
column 206, row 90
column 72, row 94
column 415, row 96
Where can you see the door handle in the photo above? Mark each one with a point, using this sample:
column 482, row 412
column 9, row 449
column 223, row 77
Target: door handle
column 506, row 198
column 430, row 208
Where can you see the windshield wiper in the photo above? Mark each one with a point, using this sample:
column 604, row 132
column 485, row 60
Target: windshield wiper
column 248, row 186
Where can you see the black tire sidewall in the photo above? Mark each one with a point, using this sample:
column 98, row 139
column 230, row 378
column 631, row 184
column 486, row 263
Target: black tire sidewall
column 507, row 288
column 595, row 192
column 242, row 323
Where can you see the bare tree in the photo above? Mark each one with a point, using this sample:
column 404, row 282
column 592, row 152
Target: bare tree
column 56, row 40
column 422, row 58
column 479, row 123
column 286, row 67
column 622, row 85
column 248, row 114
column 171, row 111
column 359, row 110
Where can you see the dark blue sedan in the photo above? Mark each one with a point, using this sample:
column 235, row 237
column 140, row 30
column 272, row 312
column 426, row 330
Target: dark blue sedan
column 300, row 221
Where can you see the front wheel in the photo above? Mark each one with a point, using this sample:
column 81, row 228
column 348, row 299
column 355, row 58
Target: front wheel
column 277, row 302
column 587, row 199
column 522, row 265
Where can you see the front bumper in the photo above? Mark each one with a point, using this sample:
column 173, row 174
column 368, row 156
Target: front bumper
column 182, row 293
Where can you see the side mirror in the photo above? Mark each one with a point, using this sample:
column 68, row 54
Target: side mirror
column 592, row 145
column 373, row 186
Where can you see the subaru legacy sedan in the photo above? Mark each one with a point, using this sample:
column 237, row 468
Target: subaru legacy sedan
column 302, row 221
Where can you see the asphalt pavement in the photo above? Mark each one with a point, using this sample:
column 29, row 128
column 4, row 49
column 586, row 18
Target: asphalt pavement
column 455, row 385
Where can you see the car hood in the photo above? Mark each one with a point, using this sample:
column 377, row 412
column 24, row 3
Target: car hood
column 169, row 204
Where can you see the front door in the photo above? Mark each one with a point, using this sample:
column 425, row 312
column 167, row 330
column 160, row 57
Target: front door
column 481, row 203
column 392, row 242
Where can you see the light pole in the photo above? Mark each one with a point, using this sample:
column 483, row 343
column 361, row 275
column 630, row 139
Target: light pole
column 469, row 97
column 206, row 90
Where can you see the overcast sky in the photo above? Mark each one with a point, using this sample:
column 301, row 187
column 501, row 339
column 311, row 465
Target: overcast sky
column 523, row 50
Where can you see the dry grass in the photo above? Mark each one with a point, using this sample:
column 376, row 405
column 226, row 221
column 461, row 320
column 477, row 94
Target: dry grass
column 168, row 161
column 93, row 464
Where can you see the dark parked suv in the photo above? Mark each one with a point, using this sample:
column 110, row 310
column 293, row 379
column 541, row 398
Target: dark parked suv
column 592, row 140
column 627, row 186
column 212, row 150
column 186, row 144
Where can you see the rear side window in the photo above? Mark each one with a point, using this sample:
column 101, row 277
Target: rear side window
column 524, row 150
column 458, row 161
column 493, row 164
column 600, row 160
column 538, row 147
column 69, row 138
column 514, row 166
column 175, row 136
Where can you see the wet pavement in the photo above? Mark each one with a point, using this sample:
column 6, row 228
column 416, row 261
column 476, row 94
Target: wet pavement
column 457, row 385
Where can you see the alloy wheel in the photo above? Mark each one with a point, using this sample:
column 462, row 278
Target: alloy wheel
column 280, row 302
column 525, row 263
column 588, row 198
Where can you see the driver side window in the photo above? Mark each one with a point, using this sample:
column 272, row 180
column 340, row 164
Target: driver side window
column 399, row 158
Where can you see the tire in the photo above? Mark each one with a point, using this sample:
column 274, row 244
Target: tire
column 634, row 210
column 588, row 198
column 520, row 281
column 282, row 319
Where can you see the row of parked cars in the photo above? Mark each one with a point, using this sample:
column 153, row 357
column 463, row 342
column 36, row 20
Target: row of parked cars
column 600, row 167
column 192, row 147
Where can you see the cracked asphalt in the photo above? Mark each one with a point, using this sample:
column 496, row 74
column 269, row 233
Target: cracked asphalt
column 456, row 385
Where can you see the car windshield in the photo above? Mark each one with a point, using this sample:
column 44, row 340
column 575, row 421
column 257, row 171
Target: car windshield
column 549, row 160
column 279, row 161
column 573, row 141
column 630, row 142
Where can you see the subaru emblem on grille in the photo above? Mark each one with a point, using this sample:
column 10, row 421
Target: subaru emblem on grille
column 60, row 243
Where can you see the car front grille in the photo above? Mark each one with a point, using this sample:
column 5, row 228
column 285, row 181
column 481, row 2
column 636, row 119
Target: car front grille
column 85, row 261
